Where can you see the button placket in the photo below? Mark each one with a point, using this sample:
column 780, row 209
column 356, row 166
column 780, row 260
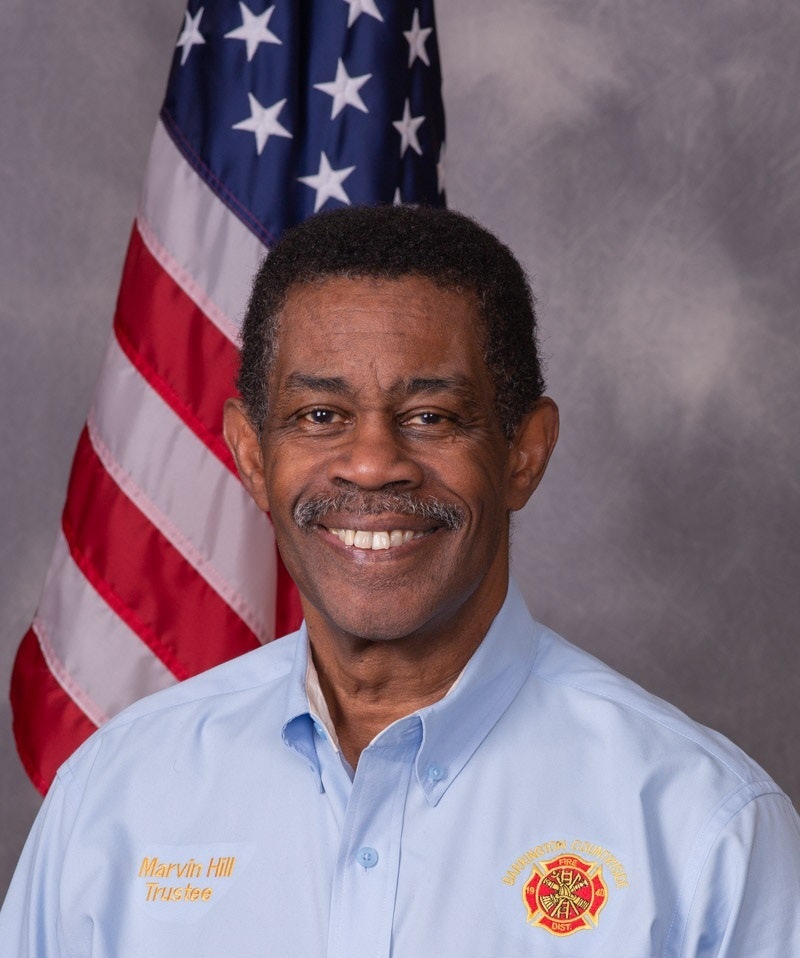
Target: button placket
column 365, row 879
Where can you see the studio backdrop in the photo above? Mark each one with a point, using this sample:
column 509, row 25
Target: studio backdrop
column 641, row 160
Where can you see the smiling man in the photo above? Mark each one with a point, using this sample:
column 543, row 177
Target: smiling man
column 389, row 476
column 421, row 769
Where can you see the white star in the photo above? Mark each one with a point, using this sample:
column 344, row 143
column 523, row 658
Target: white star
column 344, row 90
column 441, row 169
column 254, row 29
column 357, row 7
column 416, row 41
column 328, row 183
column 407, row 128
column 398, row 199
column 263, row 121
column 190, row 35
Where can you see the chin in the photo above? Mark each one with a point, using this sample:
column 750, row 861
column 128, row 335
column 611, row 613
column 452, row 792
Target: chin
column 374, row 626
column 375, row 616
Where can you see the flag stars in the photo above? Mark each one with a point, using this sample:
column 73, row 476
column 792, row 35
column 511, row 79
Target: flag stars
column 328, row 183
column 190, row 35
column 357, row 7
column 263, row 122
column 344, row 90
column 254, row 29
column 407, row 128
column 417, row 37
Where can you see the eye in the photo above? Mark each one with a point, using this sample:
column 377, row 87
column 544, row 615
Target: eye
column 426, row 418
column 321, row 417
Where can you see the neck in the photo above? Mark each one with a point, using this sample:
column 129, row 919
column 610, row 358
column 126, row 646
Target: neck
column 368, row 684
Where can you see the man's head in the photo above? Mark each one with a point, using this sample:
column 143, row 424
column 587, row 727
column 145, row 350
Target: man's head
column 374, row 430
column 389, row 242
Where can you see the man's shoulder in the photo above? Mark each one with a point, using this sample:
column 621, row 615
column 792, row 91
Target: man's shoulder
column 634, row 720
column 255, row 676
column 257, row 669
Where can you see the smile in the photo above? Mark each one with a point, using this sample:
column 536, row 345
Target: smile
column 361, row 539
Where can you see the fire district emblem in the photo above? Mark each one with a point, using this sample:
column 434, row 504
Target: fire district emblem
column 565, row 894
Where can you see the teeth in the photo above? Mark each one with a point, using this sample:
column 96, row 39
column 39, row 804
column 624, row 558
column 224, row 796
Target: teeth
column 380, row 540
column 375, row 540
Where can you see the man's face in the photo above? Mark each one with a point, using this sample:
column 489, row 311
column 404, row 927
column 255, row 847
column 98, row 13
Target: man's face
column 385, row 468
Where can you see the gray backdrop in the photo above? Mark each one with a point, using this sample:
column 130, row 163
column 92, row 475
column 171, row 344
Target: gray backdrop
column 642, row 159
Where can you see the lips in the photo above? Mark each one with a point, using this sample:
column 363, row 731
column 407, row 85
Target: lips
column 375, row 541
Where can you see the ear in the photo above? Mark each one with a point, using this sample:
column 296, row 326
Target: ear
column 530, row 451
column 242, row 440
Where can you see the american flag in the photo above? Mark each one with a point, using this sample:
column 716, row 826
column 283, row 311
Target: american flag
column 163, row 566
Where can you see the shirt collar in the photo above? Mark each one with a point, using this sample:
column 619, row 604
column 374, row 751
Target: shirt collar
column 452, row 728
column 298, row 726
column 318, row 705
column 455, row 726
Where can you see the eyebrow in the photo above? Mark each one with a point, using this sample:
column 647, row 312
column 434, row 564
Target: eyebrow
column 325, row 384
column 460, row 385
column 403, row 389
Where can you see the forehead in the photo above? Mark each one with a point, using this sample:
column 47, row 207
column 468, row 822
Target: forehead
column 409, row 321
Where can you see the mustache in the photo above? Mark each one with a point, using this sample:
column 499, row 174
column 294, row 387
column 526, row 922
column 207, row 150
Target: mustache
column 310, row 512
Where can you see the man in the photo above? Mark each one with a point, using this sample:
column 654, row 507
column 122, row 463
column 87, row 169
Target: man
column 422, row 769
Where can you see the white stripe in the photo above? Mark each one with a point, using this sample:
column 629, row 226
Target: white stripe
column 207, row 250
column 99, row 662
column 185, row 491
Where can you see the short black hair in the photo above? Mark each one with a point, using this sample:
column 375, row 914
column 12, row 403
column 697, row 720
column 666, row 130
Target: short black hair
column 390, row 242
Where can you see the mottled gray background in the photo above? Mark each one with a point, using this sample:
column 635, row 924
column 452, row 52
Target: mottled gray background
column 643, row 159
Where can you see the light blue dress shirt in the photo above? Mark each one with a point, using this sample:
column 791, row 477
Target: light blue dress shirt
column 546, row 807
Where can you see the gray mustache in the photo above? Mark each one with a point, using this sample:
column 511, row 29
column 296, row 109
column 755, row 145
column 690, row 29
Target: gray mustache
column 312, row 511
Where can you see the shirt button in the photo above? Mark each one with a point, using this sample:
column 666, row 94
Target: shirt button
column 367, row 856
column 318, row 728
column 435, row 773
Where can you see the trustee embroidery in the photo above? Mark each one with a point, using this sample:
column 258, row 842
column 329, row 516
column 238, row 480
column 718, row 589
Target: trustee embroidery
column 154, row 870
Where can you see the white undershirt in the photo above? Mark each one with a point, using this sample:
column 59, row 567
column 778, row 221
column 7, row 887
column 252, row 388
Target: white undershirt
column 319, row 707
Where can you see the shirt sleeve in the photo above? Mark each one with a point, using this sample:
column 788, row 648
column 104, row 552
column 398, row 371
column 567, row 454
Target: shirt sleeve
column 30, row 920
column 746, row 900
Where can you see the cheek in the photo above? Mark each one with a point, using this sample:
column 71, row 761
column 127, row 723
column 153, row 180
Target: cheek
column 479, row 481
column 278, row 487
column 288, row 469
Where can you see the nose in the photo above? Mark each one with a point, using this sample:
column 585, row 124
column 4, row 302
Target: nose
column 373, row 455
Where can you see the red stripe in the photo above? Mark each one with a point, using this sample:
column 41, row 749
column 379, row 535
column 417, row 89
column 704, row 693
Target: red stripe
column 177, row 349
column 191, row 365
column 48, row 725
column 140, row 574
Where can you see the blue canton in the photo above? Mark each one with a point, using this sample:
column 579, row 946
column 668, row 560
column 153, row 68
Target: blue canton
column 287, row 109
